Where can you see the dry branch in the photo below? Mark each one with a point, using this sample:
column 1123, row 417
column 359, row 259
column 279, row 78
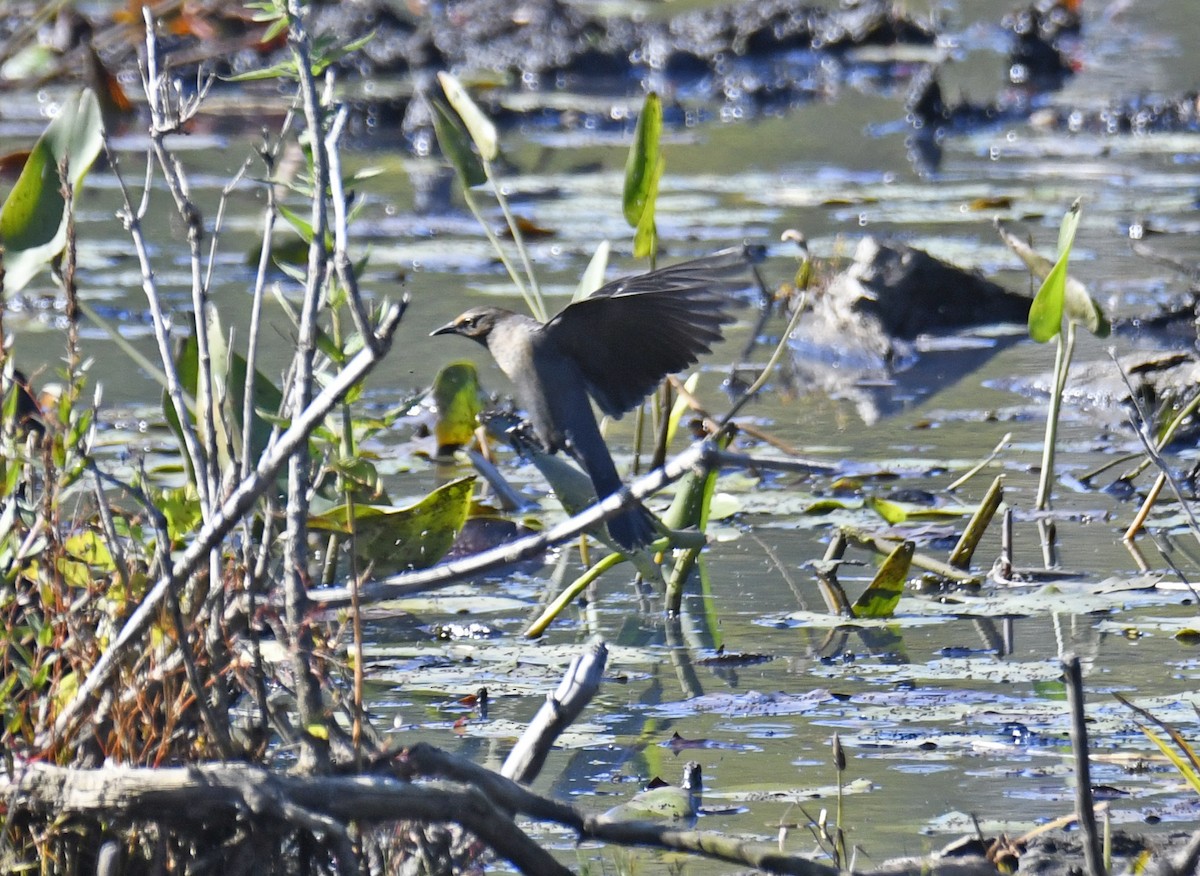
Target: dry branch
column 227, row 516
column 579, row 685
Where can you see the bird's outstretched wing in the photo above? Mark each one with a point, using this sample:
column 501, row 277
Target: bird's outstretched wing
column 631, row 333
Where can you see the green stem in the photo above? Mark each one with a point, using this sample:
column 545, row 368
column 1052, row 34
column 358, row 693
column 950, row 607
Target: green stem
column 534, row 297
column 499, row 248
column 565, row 598
column 1062, row 362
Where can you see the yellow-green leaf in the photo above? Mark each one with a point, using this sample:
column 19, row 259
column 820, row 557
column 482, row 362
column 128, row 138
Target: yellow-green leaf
column 879, row 600
column 890, row 511
column 479, row 126
column 88, row 547
column 456, row 393
column 411, row 537
column 642, row 166
column 1185, row 769
column 645, row 239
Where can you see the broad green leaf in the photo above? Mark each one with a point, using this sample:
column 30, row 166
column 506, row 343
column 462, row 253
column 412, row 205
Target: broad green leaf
column 411, row 537
column 645, row 239
column 880, row 598
column 456, row 146
column 88, row 547
column 655, row 804
column 33, row 221
column 1049, row 305
column 479, row 126
column 663, row 802
column 1046, row 311
column 642, row 166
column 456, row 393
column 181, row 509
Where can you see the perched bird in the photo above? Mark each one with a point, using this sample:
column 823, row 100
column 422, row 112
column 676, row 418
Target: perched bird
column 616, row 346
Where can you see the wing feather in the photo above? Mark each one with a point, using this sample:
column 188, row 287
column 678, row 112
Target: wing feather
column 631, row 333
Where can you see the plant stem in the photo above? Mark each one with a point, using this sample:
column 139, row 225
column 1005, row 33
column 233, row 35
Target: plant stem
column 1062, row 362
column 534, row 298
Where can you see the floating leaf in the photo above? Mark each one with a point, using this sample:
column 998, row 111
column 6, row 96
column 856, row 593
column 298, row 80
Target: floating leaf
column 664, row 801
column 889, row 511
column 412, row 537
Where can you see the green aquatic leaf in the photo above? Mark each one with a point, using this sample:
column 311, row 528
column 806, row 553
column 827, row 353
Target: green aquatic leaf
column 456, row 146
column 889, row 511
column 456, row 393
column 33, row 220
column 1049, row 305
column 880, row 598
column 643, row 165
column 645, row 239
column 478, row 125
column 411, row 537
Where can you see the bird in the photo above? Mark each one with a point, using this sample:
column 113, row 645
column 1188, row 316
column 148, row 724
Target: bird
column 615, row 346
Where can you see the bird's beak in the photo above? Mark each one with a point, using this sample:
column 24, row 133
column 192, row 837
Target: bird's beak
column 450, row 328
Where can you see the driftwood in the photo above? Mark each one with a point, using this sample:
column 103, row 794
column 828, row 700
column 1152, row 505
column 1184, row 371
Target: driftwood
column 324, row 805
column 479, row 801
column 560, row 710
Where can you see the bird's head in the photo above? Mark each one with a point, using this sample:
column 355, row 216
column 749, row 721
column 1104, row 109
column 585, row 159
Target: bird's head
column 476, row 324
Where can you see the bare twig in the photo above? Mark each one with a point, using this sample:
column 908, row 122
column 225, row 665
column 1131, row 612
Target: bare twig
column 579, row 685
column 300, row 387
column 1084, row 809
column 238, row 503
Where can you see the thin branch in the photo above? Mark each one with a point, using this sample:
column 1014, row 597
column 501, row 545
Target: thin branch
column 295, row 557
column 341, row 247
column 239, row 502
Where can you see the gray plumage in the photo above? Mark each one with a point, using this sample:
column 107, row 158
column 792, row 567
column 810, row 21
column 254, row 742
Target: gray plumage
column 616, row 346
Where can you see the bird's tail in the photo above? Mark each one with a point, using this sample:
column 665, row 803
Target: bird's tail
column 632, row 529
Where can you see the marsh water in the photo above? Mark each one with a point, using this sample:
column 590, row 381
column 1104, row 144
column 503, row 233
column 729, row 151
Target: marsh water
column 951, row 711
